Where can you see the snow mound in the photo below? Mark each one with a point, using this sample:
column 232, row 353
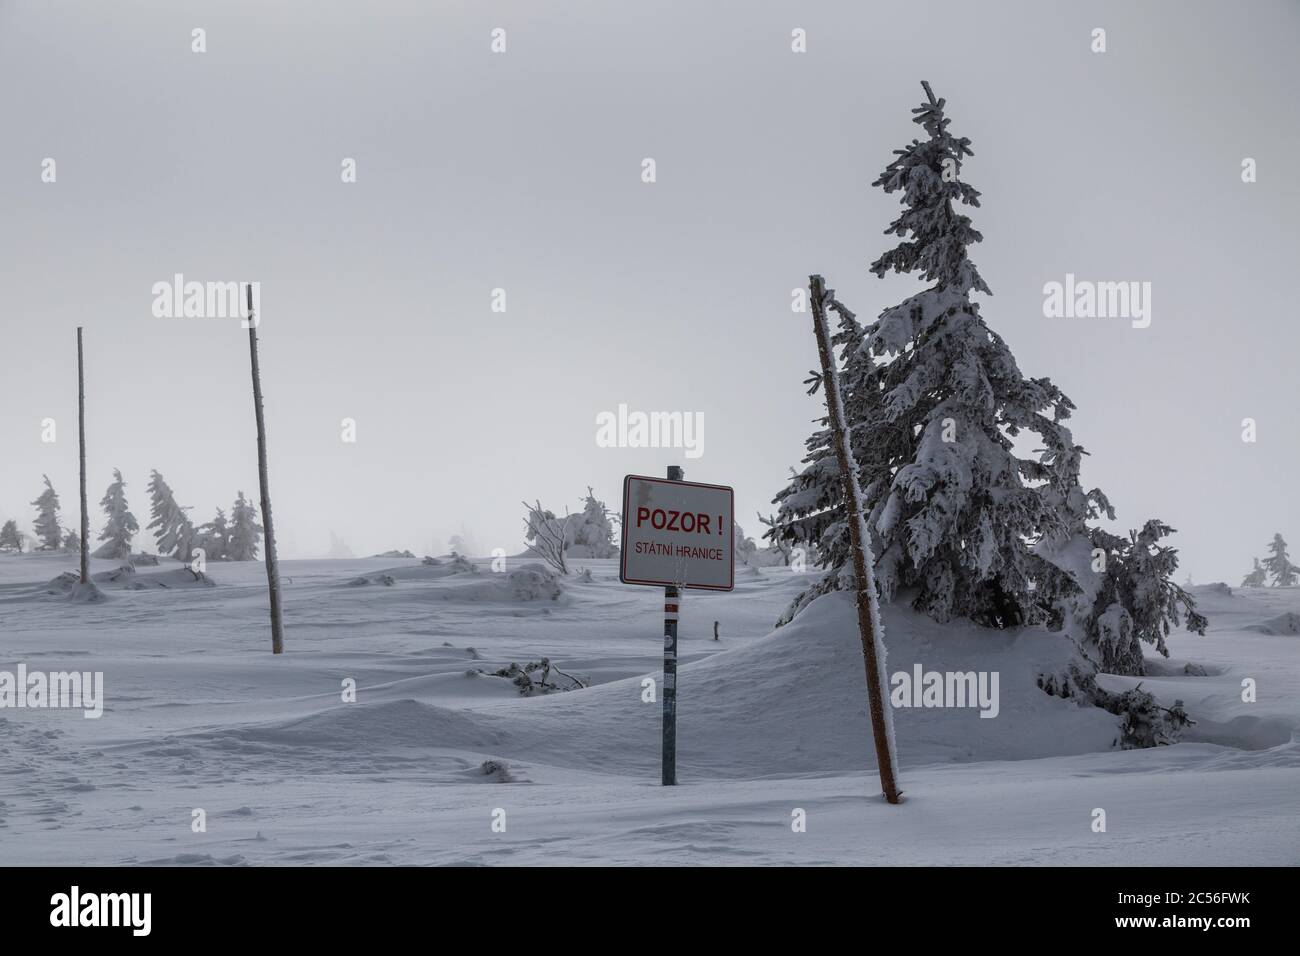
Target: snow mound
column 532, row 582
column 427, row 572
column 793, row 702
column 63, row 584
column 87, row 593
column 1285, row 623
column 118, row 575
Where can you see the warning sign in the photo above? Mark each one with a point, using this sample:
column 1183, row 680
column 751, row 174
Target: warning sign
column 678, row 533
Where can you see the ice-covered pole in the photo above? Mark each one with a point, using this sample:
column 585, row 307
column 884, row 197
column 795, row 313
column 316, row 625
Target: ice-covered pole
column 268, row 527
column 873, row 644
column 81, row 444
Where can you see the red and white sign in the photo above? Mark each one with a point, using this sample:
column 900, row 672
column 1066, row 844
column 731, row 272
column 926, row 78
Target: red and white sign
column 678, row 533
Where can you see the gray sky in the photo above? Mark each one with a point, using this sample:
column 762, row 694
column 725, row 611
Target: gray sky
column 522, row 171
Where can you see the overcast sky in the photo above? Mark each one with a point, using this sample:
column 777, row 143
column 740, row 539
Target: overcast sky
column 522, row 171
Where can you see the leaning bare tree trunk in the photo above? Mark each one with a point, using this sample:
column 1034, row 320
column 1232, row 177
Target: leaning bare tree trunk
column 272, row 565
column 81, row 435
column 873, row 646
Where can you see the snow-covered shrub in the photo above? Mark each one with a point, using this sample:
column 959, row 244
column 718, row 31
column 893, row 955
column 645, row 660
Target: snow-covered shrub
column 535, row 678
column 1143, row 722
column 589, row 534
column 459, row 564
column 532, row 582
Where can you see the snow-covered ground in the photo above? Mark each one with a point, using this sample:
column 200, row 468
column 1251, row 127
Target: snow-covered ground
column 199, row 714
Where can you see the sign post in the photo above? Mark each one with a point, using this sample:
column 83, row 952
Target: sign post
column 676, row 534
column 672, row 601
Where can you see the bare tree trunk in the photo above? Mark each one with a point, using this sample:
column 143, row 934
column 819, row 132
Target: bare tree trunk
column 81, row 436
column 272, row 565
column 868, row 610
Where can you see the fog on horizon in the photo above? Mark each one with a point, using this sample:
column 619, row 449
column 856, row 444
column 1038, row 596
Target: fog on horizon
column 522, row 171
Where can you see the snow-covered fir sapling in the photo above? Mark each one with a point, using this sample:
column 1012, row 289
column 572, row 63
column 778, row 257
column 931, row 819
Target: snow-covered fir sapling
column 171, row 526
column 245, row 532
column 1257, row 577
column 1137, row 601
column 11, row 539
column 48, row 533
column 1278, row 564
column 121, row 526
column 213, row 537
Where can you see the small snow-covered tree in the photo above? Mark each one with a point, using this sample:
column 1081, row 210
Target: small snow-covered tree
column 245, row 532
column 213, row 537
column 47, row 527
column 1257, row 578
column 11, row 538
column 170, row 525
column 1278, row 564
column 591, row 533
column 548, row 535
column 1138, row 601
column 72, row 542
column 121, row 526
column 744, row 546
column 779, row 544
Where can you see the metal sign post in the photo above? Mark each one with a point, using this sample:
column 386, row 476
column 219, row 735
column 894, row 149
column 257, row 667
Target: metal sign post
column 676, row 534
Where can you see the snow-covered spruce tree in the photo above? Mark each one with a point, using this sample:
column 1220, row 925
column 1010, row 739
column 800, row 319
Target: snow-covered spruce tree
column 1257, row 578
column 171, row 527
column 245, row 532
column 11, row 538
column 47, row 527
column 121, row 526
column 213, row 537
column 934, row 400
column 1278, row 564
column 72, row 542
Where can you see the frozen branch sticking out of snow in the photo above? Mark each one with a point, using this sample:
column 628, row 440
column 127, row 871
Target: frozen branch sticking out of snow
column 547, row 535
